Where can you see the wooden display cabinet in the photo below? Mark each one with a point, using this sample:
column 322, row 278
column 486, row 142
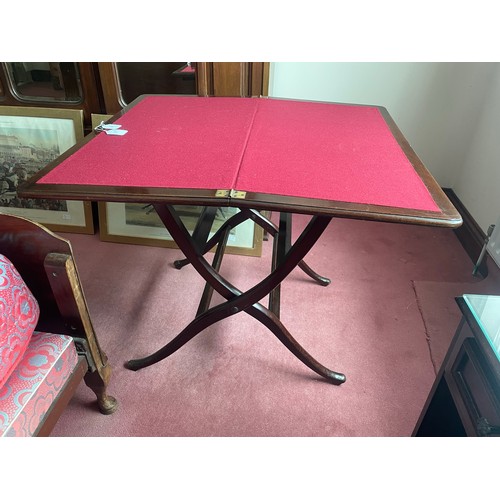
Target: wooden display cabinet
column 106, row 87
column 465, row 398
column 231, row 79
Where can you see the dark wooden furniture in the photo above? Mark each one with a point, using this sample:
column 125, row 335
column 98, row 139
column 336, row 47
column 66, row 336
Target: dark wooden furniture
column 81, row 90
column 107, row 87
column 123, row 82
column 46, row 263
column 465, row 397
column 260, row 164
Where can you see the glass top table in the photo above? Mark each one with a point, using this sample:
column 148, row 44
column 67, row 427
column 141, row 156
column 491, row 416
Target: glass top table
column 486, row 311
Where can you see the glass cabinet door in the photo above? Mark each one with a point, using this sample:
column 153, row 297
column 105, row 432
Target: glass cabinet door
column 137, row 78
column 45, row 81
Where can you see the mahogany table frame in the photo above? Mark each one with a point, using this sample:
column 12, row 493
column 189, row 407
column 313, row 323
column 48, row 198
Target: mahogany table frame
column 285, row 256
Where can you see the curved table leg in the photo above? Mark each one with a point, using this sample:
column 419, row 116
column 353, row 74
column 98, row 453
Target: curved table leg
column 218, row 313
column 314, row 275
column 203, row 227
column 196, row 326
column 258, row 218
column 236, row 300
column 201, row 231
column 272, row 322
column 180, row 263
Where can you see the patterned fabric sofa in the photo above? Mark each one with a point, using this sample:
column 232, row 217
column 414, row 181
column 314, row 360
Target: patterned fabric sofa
column 47, row 341
column 35, row 368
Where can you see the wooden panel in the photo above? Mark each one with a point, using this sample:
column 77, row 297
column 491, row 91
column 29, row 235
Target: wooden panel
column 476, row 385
column 233, row 79
column 259, row 79
column 240, row 79
column 230, row 79
column 110, row 90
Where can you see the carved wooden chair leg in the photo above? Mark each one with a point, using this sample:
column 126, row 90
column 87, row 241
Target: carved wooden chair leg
column 68, row 293
column 98, row 382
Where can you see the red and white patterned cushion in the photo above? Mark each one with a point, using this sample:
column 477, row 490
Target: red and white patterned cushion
column 19, row 314
column 34, row 385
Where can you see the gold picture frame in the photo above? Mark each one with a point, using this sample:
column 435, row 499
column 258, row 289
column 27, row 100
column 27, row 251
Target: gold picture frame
column 138, row 224
column 30, row 138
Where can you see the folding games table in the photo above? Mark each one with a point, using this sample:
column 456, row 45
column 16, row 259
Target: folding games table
column 256, row 154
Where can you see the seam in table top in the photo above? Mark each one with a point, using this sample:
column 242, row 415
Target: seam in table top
column 247, row 140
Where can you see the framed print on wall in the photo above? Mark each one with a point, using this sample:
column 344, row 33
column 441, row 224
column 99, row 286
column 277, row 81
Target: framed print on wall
column 30, row 138
column 139, row 224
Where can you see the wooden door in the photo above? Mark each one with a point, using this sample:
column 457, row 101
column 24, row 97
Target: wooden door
column 237, row 79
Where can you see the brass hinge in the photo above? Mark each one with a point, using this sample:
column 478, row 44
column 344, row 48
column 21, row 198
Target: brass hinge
column 230, row 193
column 240, row 195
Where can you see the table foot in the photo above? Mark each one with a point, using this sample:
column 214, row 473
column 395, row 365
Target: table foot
column 314, row 275
column 272, row 322
column 179, row 264
column 134, row 364
column 98, row 382
column 336, row 378
column 167, row 350
column 197, row 325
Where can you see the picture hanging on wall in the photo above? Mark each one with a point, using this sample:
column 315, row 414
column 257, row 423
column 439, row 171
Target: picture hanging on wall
column 31, row 138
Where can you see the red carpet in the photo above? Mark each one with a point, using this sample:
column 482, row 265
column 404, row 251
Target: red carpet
column 384, row 321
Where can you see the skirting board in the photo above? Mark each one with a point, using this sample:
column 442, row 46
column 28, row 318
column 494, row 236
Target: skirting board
column 470, row 235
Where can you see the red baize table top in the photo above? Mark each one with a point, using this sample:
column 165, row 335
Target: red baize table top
column 281, row 147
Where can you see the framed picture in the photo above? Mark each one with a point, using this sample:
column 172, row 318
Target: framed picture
column 139, row 224
column 30, row 138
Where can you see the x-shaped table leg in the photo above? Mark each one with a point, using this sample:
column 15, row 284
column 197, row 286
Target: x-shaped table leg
column 237, row 301
column 207, row 217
